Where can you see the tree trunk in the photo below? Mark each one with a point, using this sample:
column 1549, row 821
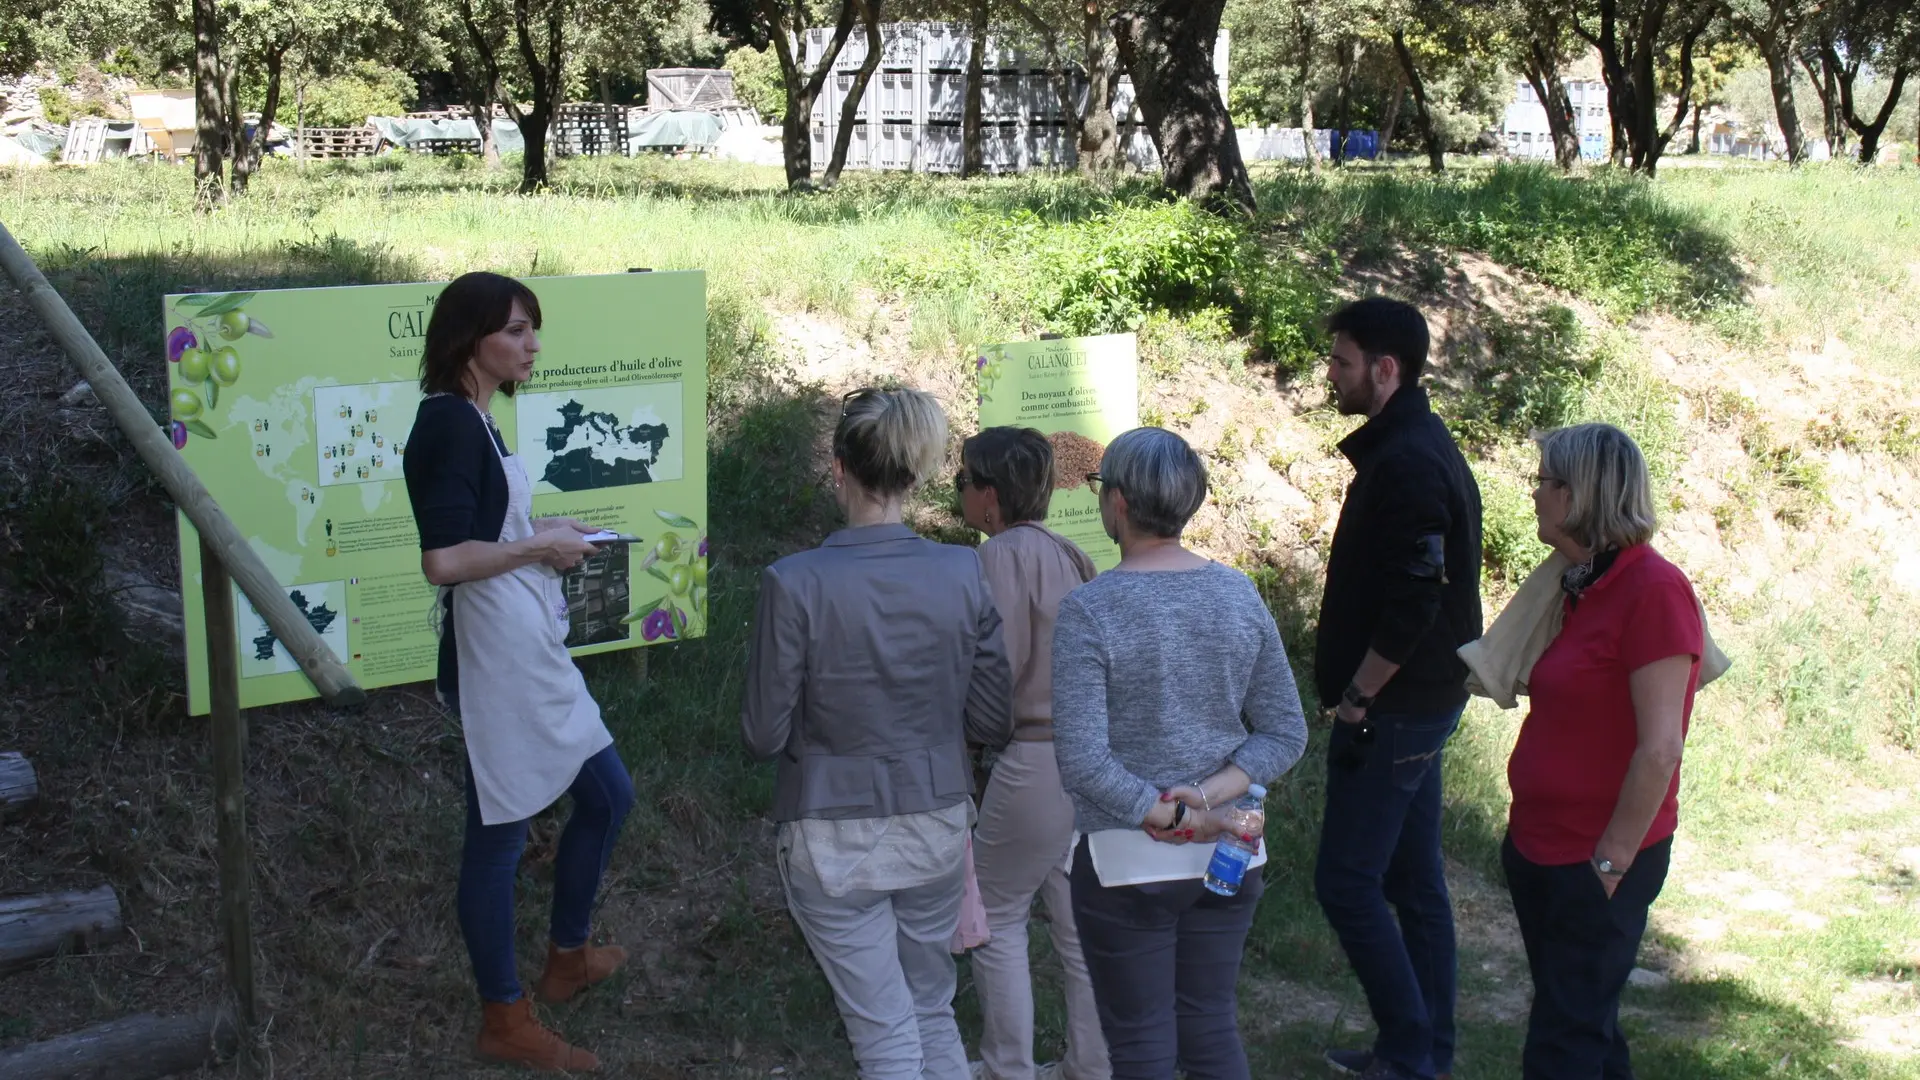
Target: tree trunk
column 1693, row 145
column 1167, row 47
column 209, row 118
column 1392, row 119
column 269, row 112
column 1633, row 91
column 1780, row 80
column 782, row 24
column 1099, row 131
column 973, row 151
column 870, row 16
column 237, row 144
column 1349, row 63
column 1542, row 69
column 1436, row 154
column 142, row 1047
column 35, row 927
column 549, row 85
column 479, row 81
column 1869, row 131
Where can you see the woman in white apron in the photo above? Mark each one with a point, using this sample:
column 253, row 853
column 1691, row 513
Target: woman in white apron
column 532, row 730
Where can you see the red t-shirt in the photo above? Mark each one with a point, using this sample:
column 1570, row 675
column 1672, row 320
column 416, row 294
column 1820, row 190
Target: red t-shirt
column 1572, row 754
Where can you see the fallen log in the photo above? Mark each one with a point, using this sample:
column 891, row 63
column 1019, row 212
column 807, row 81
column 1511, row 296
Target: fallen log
column 32, row 927
column 143, row 1047
column 18, row 785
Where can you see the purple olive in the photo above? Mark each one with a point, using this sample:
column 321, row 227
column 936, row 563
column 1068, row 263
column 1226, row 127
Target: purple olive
column 179, row 340
column 178, row 431
column 656, row 625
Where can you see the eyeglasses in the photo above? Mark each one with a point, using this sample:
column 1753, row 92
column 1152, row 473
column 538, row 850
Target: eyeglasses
column 961, row 480
column 1094, row 480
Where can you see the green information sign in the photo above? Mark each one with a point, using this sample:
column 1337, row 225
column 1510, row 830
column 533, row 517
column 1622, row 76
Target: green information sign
column 294, row 407
column 1080, row 393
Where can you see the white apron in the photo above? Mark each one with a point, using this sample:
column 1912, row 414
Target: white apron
column 530, row 723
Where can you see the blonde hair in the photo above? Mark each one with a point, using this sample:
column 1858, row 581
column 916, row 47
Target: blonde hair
column 891, row 441
column 1606, row 477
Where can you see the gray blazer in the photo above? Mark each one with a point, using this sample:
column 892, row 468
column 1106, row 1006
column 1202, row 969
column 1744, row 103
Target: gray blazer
column 876, row 658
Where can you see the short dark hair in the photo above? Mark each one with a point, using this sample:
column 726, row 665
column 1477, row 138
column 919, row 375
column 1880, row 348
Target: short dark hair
column 468, row 309
column 1386, row 327
column 1017, row 463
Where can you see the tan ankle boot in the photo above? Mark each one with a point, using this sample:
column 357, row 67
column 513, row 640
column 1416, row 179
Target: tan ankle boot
column 511, row 1033
column 570, row 971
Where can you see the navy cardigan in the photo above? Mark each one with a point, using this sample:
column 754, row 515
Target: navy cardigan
column 458, row 490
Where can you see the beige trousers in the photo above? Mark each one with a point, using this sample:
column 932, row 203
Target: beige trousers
column 1020, row 850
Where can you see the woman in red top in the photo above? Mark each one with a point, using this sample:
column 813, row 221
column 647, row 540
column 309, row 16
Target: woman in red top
column 1596, row 770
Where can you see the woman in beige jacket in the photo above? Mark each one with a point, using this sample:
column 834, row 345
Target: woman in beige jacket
column 1026, row 821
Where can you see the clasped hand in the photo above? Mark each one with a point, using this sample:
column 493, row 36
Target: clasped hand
column 1198, row 825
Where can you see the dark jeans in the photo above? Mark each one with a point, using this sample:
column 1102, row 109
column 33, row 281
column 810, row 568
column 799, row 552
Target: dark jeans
column 1380, row 845
column 1165, row 960
column 1580, row 948
column 602, row 795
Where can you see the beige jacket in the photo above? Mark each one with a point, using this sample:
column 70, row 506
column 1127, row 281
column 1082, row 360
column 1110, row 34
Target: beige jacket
column 1030, row 569
column 1502, row 659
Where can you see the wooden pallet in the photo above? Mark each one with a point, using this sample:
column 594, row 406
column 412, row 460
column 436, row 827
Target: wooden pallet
column 590, row 130
column 325, row 143
column 443, row 147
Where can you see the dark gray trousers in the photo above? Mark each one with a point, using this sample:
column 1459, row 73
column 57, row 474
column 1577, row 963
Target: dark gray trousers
column 1165, row 960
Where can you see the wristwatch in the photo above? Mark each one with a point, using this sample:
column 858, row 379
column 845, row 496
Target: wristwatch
column 1605, row 866
column 1352, row 696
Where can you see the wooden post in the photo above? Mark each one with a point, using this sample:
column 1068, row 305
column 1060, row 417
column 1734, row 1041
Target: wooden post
column 229, row 734
column 188, row 493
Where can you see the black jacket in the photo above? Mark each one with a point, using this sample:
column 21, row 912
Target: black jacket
column 1403, row 577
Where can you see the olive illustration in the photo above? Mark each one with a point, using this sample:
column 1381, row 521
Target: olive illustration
column 226, row 366
column 195, row 364
column 186, row 404
column 177, row 431
column 699, row 569
column 680, row 579
column 179, row 339
column 667, row 548
column 233, row 325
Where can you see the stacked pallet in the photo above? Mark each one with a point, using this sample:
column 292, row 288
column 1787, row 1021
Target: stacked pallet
column 909, row 117
column 337, row 142
column 590, row 130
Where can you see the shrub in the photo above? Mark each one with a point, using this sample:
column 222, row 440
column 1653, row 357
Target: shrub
column 348, row 98
column 1535, row 378
column 1510, row 544
column 758, row 82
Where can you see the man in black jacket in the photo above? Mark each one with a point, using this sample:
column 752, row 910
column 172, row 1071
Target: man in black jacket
column 1403, row 592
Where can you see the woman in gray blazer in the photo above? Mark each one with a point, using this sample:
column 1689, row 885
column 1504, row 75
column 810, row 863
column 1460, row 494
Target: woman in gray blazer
column 876, row 658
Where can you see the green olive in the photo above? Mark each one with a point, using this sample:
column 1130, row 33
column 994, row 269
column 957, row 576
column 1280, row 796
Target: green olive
column 194, row 365
column 667, row 548
column 226, row 366
column 699, row 571
column 186, row 404
column 680, row 580
column 233, row 325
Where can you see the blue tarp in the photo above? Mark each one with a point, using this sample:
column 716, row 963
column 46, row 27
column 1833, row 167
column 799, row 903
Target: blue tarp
column 404, row 132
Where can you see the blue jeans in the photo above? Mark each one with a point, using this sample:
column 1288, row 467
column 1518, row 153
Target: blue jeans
column 602, row 795
column 1380, row 845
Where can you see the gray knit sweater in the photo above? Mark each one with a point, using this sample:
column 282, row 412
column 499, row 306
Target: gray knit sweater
column 1162, row 677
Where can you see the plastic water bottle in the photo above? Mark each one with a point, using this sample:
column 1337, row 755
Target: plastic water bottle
column 1245, row 822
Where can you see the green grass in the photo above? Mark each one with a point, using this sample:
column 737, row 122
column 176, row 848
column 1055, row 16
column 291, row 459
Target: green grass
column 1798, row 763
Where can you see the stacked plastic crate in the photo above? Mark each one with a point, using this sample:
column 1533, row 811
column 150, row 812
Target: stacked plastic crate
column 910, row 115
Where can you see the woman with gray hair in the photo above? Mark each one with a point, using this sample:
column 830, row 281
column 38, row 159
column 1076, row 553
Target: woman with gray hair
column 1172, row 695
column 1595, row 772
column 876, row 658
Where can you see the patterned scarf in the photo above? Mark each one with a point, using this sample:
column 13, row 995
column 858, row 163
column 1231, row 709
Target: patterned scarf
column 1579, row 578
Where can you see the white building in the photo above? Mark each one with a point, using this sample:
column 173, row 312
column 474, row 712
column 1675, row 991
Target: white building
column 1524, row 128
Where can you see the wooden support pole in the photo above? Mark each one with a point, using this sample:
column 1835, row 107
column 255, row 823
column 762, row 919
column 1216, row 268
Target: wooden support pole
column 36, row 927
column 143, row 1047
column 18, row 785
column 216, row 529
column 229, row 733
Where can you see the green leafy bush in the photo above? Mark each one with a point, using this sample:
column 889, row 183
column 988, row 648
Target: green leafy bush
column 1534, row 379
column 348, row 98
column 758, row 82
column 1510, row 544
